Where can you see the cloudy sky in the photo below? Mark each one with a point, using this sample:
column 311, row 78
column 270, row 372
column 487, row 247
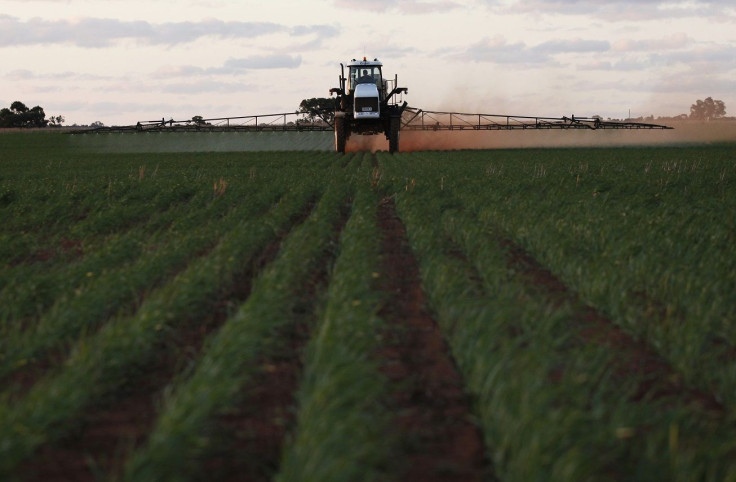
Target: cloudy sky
column 120, row 61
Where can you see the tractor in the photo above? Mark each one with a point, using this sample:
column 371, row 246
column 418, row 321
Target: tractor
column 366, row 104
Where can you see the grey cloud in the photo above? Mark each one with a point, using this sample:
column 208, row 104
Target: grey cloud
column 722, row 57
column 322, row 31
column 410, row 7
column 369, row 5
column 595, row 65
column 699, row 84
column 85, row 32
column 177, row 71
column 676, row 41
column 625, row 56
column 20, row 75
column 572, row 46
column 498, row 50
column 25, row 75
column 101, row 32
column 633, row 65
column 701, row 59
column 263, row 62
column 232, row 66
column 625, row 10
column 188, row 31
column 204, row 87
column 173, row 86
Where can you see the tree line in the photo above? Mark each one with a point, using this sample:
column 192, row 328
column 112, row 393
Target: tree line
column 18, row 115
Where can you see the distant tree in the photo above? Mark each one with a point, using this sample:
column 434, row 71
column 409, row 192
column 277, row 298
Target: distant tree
column 97, row 124
column 6, row 116
column 56, row 120
column 21, row 116
column 708, row 109
column 198, row 119
column 36, row 117
column 318, row 108
column 18, row 107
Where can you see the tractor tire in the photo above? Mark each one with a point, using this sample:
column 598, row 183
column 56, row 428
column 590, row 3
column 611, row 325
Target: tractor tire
column 393, row 134
column 340, row 136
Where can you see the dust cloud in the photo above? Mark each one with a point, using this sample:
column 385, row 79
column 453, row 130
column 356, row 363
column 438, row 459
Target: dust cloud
column 358, row 143
column 684, row 132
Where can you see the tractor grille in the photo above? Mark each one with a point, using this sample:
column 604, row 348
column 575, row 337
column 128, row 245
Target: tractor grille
column 366, row 104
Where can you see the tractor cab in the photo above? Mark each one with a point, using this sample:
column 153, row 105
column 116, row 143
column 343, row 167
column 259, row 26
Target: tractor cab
column 364, row 72
column 366, row 85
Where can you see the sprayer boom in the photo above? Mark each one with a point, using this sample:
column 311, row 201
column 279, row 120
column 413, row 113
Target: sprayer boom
column 425, row 120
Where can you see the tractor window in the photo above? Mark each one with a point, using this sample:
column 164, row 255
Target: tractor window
column 365, row 74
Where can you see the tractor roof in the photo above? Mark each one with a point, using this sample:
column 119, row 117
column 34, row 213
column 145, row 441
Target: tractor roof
column 354, row 62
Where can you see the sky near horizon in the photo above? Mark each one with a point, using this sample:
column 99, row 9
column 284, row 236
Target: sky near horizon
column 123, row 61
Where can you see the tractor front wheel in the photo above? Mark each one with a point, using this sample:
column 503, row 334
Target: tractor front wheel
column 340, row 137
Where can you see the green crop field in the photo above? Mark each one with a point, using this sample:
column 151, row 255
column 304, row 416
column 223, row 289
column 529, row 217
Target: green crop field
column 509, row 314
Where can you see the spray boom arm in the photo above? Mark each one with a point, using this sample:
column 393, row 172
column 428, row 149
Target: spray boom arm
column 396, row 90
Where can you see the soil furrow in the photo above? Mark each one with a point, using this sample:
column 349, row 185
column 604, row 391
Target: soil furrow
column 107, row 434
column 433, row 414
column 634, row 359
column 252, row 434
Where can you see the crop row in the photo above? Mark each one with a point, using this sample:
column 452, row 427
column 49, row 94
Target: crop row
column 552, row 403
column 103, row 360
column 63, row 257
column 646, row 239
column 177, row 443
column 119, row 288
column 343, row 425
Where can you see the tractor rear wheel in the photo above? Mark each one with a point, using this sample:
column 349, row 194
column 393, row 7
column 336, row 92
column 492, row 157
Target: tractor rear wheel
column 393, row 134
column 340, row 137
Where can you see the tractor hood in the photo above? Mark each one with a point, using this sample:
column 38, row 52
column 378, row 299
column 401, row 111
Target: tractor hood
column 367, row 89
column 366, row 101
